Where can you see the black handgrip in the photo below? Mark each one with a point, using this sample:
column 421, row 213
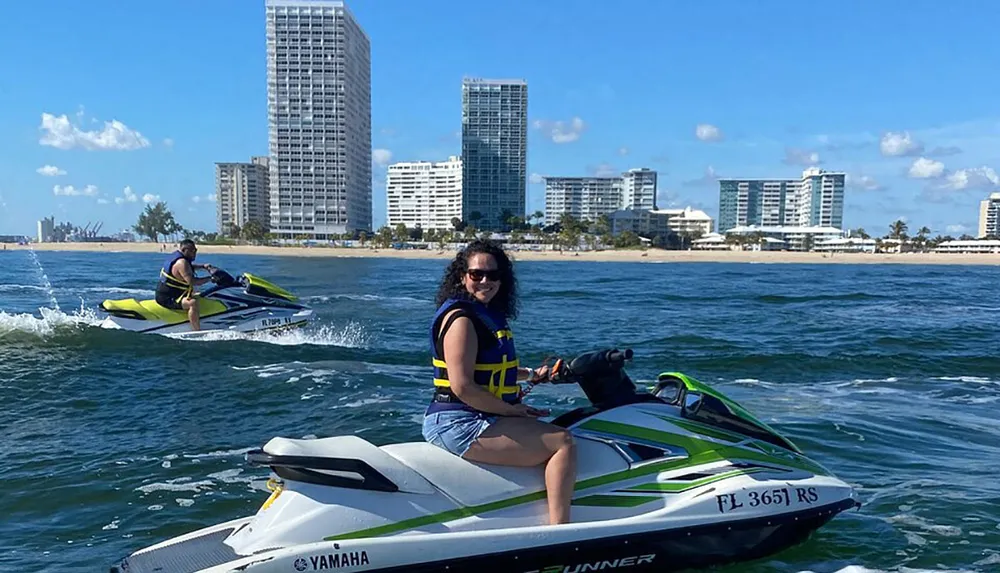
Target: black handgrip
column 618, row 356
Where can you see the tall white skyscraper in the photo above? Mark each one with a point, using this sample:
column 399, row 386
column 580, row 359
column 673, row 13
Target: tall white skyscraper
column 820, row 199
column 424, row 194
column 587, row 198
column 494, row 150
column 241, row 191
column 989, row 216
column 639, row 189
column 319, row 119
column 814, row 200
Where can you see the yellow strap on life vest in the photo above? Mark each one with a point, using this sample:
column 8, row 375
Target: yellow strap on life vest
column 177, row 283
column 496, row 371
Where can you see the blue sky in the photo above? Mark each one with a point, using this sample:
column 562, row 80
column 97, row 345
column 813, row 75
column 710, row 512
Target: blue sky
column 900, row 95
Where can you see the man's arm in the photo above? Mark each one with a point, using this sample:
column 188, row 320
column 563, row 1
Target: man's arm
column 187, row 274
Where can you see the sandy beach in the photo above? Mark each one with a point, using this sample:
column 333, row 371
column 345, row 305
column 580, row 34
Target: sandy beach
column 638, row 256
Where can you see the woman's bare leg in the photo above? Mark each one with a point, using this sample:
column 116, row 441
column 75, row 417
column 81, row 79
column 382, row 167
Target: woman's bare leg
column 526, row 442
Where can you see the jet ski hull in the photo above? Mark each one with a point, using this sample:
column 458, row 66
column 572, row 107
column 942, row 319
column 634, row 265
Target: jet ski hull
column 238, row 320
column 680, row 477
column 654, row 549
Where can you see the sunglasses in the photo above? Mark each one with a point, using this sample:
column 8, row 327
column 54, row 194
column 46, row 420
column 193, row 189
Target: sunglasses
column 479, row 274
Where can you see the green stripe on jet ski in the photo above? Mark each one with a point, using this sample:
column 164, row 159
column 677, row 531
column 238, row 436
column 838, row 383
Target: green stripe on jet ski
column 604, row 500
column 700, row 452
column 473, row 510
column 704, row 430
column 680, row 487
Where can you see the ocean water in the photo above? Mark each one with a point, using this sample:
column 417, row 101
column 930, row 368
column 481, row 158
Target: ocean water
column 888, row 375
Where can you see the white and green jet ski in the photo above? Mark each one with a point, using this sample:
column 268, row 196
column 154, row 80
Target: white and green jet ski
column 245, row 304
column 680, row 476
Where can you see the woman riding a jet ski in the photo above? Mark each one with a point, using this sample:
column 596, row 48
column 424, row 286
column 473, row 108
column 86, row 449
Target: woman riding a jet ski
column 476, row 411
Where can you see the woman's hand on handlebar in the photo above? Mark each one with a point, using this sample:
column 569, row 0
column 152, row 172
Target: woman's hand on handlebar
column 541, row 374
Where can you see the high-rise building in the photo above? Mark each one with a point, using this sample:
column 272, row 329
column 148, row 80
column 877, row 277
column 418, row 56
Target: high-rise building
column 424, row 194
column 242, row 194
column 768, row 202
column 587, row 198
column 814, row 200
column 989, row 216
column 494, row 151
column 820, row 199
column 584, row 198
column 639, row 189
column 319, row 119
column 46, row 229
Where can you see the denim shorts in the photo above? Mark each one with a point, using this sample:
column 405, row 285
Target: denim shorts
column 455, row 430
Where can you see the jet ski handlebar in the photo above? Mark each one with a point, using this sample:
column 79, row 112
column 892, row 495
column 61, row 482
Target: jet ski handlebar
column 598, row 363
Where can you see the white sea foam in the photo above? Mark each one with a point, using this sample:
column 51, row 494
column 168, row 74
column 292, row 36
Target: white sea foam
column 49, row 321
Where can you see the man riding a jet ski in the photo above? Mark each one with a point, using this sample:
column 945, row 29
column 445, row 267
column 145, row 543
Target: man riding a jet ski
column 177, row 281
column 476, row 411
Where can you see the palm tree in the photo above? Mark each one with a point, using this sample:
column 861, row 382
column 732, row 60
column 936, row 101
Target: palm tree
column 897, row 230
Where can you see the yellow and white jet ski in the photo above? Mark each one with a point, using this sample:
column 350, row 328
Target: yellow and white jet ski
column 244, row 304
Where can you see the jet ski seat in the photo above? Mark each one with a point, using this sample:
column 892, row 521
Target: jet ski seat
column 151, row 310
column 473, row 483
column 420, row 467
column 311, row 453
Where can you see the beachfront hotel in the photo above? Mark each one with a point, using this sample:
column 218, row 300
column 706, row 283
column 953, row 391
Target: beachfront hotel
column 424, row 194
column 241, row 193
column 814, row 200
column 663, row 222
column 319, row 119
column 587, row 198
column 989, row 216
column 494, row 151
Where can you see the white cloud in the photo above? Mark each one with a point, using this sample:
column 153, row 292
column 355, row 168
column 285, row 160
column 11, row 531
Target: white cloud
column 70, row 191
column 561, row 131
column 708, row 132
column 865, row 182
column 210, row 198
column 149, row 198
column 381, row 157
column 168, row 142
column 899, row 144
column 50, row 171
column 536, row 178
column 129, row 196
column 102, row 201
column 623, row 151
column 958, row 228
column 924, row 168
column 58, row 132
column 801, row 157
column 973, row 178
column 213, row 197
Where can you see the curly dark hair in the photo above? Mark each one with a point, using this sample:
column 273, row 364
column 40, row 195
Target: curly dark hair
column 452, row 285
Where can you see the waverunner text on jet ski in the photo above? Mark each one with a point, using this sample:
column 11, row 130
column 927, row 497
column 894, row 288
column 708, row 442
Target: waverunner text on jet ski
column 245, row 304
column 675, row 477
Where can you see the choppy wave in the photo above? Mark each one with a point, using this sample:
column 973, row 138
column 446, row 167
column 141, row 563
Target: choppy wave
column 47, row 323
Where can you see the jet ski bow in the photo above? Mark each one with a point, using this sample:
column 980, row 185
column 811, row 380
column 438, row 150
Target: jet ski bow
column 244, row 304
column 672, row 477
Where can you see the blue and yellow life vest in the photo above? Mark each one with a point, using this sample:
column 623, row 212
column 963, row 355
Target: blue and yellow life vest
column 496, row 358
column 170, row 285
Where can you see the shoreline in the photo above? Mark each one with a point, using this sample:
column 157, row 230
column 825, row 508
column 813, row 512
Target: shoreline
column 622, row 256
